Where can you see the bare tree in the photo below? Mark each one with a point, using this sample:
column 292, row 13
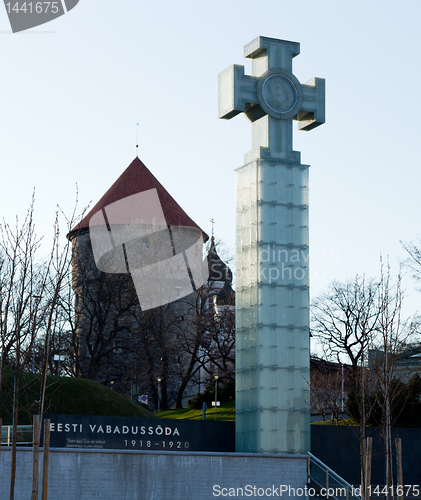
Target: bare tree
column 345, row 320
column 163, row 341
column 413, row 262
column 208, row 345
column 394, row 333
column 329, row 383
column 104, row 305
column 219, row 343
column 364, row 323
column 191, row 356
column 23, row 284
column 116, row 343
column 29, row 287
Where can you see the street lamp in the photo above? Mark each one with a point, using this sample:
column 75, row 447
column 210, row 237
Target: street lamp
column 58, row 358
column 216, row 376
column 159, row 391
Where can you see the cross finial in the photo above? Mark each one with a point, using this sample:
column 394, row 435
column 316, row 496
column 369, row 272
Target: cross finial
column 271, row 98
column 137, row 140
column 213, row 227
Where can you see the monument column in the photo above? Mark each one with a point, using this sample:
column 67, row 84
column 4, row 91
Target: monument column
column 272, row 249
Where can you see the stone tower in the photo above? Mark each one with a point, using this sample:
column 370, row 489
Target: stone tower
column 107, row 308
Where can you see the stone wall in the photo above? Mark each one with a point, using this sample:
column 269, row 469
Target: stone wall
column 124, row 475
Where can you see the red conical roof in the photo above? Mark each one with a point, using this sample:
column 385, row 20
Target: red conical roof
column 136, row 179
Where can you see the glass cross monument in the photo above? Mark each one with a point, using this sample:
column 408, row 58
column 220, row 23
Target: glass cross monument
column 272, row 248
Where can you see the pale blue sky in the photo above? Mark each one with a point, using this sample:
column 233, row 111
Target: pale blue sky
column 72, row 92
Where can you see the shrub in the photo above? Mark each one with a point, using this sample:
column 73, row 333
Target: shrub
column 226, row 392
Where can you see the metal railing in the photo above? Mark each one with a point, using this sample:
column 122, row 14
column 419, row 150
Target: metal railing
column 331, row 484
column 24, row 435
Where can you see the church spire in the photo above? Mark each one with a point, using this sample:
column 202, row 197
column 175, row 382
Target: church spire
column 213, row 229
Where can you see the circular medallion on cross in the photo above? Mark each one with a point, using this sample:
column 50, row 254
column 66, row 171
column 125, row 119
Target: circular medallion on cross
column 279, row 93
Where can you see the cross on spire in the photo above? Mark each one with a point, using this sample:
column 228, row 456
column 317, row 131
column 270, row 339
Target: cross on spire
column 271, row 98
column 213, row 227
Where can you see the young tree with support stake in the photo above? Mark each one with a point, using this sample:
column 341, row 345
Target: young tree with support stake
column 366, row 326
column 393, row 334
column 29, row 290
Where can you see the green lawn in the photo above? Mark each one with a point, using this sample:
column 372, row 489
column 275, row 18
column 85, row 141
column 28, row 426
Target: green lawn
column 224, row 412
column 349, row 422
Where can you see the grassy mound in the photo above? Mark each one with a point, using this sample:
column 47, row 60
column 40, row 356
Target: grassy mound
column 66, row 396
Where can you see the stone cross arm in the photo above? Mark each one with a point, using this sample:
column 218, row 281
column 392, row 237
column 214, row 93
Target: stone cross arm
column 272, row 88
column 237, row 92
column 312, row 112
